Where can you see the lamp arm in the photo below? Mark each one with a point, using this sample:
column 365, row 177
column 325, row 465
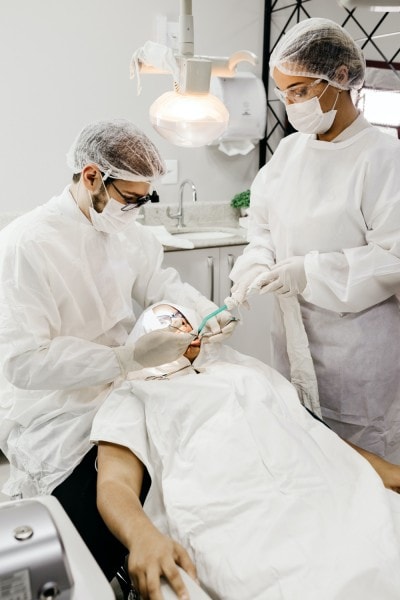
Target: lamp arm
column 226, row 66
column 186, row 29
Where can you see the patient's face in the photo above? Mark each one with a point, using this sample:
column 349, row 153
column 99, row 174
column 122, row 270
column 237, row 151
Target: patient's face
column 169, row 316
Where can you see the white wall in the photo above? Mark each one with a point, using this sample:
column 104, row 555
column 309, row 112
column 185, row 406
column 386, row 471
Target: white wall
column 65, row 64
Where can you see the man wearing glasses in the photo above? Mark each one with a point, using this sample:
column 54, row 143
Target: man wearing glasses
column 69, row 271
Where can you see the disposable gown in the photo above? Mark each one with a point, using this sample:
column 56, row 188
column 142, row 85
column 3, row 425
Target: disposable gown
column 338, row 204
column 269, row 503
column 65, row 303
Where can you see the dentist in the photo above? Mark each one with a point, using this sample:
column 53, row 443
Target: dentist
column 69, row 271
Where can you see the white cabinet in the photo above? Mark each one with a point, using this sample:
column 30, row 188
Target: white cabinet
column 207, row 269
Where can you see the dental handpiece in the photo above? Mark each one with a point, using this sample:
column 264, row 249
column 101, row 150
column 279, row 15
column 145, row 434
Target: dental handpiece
column 229, row 304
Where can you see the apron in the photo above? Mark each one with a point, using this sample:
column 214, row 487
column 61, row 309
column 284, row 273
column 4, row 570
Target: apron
column 358, row 388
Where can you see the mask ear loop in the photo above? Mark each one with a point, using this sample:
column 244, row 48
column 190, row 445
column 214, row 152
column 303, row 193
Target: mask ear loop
column 78, row 188
column 103, row 180
column 337, row 96
column 106, row 175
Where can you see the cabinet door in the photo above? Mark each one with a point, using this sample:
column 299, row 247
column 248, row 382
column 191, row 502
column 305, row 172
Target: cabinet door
column 198, row 267
column 252, row 334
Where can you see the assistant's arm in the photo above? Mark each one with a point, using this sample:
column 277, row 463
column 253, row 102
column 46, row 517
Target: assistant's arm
column 359, row 277
column 151, row 554
column 259, row 255
column 350, row 279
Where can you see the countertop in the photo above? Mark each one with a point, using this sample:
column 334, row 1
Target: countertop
column 220, row 220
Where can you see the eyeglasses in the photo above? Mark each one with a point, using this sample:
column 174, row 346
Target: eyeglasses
column 175, row 319
column 133, row 200
column 297, row 93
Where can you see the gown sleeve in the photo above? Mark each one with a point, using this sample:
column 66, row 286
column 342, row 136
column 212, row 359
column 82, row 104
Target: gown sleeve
column 260, row 249
column 355, row 279
column 34, row 357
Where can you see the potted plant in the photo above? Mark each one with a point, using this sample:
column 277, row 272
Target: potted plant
column 242, row 202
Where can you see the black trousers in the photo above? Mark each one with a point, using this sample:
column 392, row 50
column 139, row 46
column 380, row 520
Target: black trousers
column 77, row 494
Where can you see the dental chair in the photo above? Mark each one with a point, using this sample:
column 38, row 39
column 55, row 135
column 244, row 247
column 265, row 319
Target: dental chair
column 42, row 557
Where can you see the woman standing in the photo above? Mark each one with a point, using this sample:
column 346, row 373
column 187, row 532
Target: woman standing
column 325, row 227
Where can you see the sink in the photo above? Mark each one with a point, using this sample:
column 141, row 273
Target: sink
column 204, row 235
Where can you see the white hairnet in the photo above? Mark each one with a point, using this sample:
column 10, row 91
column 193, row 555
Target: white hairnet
column 119, row 149
column 317, row 47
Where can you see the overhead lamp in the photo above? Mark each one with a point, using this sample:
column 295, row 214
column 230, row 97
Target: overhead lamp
column 375, row 5
column 189, row 115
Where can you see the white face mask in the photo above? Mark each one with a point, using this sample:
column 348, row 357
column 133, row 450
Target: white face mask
column 308, row 116
column 112, row 219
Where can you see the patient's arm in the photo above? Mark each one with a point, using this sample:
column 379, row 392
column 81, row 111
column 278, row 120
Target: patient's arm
column 151, row 554
column 389, row 473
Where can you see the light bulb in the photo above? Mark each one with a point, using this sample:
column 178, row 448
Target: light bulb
column 190, row 120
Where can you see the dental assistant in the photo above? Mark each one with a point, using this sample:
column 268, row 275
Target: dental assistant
column 325, row 228
column 69, row 271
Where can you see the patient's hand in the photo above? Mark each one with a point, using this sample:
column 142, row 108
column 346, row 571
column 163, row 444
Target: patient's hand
column 154, row 555
column 388, row 472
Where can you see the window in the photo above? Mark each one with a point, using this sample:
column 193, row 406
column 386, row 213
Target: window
column 379, row 98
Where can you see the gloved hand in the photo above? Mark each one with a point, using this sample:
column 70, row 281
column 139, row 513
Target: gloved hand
column 219, row 327
column 287, row 278
column 160, row 347
column 240, row 289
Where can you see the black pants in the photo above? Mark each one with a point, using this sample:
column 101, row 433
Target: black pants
column 77, row 494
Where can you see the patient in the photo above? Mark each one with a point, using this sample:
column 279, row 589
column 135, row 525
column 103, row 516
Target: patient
column 246, row 485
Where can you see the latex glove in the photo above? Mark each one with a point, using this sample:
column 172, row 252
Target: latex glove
column 287, row 278
column 240, row 289
column 219, row 327
column 160, row 347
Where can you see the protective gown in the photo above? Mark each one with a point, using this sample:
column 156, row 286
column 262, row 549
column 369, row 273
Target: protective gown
column 269, row 503
column 66, row 304
column 338, row 204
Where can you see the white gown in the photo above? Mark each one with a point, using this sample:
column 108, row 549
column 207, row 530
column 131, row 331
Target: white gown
column 65, row 302
column 269, row 503
column 338, row 204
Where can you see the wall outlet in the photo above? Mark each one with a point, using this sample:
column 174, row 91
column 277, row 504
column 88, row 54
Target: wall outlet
column 171, row 176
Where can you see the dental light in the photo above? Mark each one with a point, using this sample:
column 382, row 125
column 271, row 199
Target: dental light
column 189, row 115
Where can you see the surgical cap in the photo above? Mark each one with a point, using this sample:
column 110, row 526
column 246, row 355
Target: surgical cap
column 119, row 149
column 318, row 48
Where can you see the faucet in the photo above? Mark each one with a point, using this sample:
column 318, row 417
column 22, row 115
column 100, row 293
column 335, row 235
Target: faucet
column 179, row 214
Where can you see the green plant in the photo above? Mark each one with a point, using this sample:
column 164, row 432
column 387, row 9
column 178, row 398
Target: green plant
column 241, row 200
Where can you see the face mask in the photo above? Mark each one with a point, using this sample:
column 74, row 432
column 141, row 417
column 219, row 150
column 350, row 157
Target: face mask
column 112, row 219
column 308, row 116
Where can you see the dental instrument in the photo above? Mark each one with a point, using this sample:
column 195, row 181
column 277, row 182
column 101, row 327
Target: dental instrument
column 212, row 314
